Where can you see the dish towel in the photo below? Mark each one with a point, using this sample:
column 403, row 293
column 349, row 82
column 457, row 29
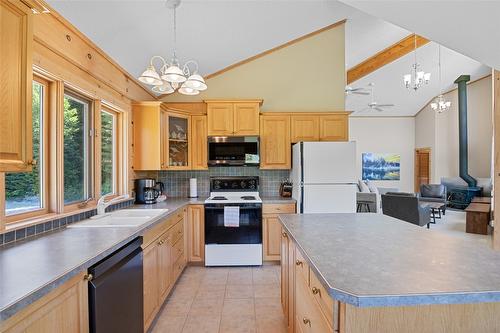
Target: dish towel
column 232, row 216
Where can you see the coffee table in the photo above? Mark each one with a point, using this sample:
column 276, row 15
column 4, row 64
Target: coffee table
column 436, row 208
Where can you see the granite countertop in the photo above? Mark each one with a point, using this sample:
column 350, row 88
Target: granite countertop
column 376, row 260
column 31, row 268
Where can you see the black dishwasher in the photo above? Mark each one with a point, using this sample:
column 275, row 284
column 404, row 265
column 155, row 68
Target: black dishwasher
column 116, row 291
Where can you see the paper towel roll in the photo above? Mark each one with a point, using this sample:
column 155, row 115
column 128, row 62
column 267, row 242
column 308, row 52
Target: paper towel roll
column 193, row 188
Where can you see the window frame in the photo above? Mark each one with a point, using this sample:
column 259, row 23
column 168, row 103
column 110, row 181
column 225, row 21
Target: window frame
column 90, row 165
column 44, row 162
column 117, row 139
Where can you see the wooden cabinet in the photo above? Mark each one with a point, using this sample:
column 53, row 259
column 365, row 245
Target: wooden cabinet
column 227, row 118
column 271, row 229
column 63, row 310
column 275, row 149
column 199, row 146
column 16, row 37
column 161, row 137
column 163, row 253
column 304, row 128
column 288, row 280
column 196, row 233
column 334, row 127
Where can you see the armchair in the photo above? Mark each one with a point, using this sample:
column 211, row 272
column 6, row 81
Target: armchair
column 434, row 193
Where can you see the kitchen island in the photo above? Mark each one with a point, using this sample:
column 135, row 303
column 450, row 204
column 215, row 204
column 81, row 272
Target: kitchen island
column 374, row 273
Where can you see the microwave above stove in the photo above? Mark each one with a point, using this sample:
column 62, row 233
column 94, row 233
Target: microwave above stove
column 233, row 150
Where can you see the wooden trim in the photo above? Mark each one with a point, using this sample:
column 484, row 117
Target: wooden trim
column 260, row 101
column 2, row 201
column 303, row 113
column 384, row 57
column 496, row 144
column 274, row 49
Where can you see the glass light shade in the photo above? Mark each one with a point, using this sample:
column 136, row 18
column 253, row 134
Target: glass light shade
column 420, row 75
column 427, row 77
column 407, row 80
column 196, row 82
column 188, row 91
column 165, row 88
column 150, row 76
column 173, row 74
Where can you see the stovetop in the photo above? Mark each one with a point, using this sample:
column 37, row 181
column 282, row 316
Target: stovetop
column 238, row 189
column 234, row 197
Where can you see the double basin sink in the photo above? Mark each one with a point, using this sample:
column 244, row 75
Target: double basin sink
column 126, row 218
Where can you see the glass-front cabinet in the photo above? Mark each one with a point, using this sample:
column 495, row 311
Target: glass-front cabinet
column 176, row 141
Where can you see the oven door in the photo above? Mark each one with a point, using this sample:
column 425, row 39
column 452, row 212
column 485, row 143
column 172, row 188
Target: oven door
column 249, row 231
column 233, row 151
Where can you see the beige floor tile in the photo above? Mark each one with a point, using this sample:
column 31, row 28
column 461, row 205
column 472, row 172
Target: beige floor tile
column 211, row 291
column 240, row 276
column 266, row 290
column 235, row 324
column 175, row 307
column 215, row 276
column 271, row 325
column 238, row 308
column 169, row 324
column 184, row 291
column 264, row 276
column 239, row 291
column 268, row 305
column 201, row 324
column 206, row 307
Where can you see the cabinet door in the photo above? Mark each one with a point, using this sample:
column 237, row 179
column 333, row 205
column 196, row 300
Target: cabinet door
column 272, row 237
column 164, row 266
column 199, row 143
column 284, row 273
column 179, row 129
column 304, row 128
column 291, row 284
column 275, row 145
column 334, row 128
column 16, row 35
column 196, row 233
column 220, row 119
column 164, row 140
column 151, row 286
column 246, row 119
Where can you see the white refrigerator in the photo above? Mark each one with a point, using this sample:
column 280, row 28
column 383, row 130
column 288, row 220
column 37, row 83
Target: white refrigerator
column 324, row 177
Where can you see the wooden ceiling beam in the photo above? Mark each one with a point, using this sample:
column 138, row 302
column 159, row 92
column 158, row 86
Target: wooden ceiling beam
column 384, row 57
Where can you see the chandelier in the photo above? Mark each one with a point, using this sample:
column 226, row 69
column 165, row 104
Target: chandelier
column 440, row 104
column 172, row 76
column 415, row 79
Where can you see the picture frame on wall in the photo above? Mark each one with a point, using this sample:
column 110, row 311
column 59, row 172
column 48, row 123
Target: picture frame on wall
column 381, row 166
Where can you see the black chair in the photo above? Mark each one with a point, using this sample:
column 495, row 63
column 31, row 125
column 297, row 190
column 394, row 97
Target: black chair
column 406, row 207
column 434, row 193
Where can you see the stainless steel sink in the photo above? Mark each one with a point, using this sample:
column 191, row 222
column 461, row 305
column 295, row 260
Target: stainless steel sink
column 127, row 218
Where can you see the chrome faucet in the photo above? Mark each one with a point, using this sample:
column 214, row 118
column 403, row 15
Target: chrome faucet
column 101, row 205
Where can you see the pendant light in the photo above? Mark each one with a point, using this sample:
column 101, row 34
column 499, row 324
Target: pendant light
column 440, row 104
column 416, row 78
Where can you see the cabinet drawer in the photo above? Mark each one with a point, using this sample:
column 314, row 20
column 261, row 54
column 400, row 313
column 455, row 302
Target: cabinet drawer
column 278, row 208
column 177, row 249
column 178, row 267
column 178, row 215
column 153, row 233
column 308, row 317
column 177, row 232
column 324, row 300
column 301, row 267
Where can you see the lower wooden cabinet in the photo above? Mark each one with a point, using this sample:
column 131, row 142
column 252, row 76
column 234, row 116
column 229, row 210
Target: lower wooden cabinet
column 64, row 310
column 163, row 262
column 196, row 233
column 271, row 229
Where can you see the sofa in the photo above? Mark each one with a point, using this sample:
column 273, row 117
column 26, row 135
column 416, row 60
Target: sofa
column 406, row 207
column 433, row 193
column 369, row 195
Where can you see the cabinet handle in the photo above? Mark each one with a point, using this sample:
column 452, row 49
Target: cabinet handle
column 88, row 277
column 306, row 321
column 298, row 262
column 285, row 235
column 30, row 162
column 315, row 290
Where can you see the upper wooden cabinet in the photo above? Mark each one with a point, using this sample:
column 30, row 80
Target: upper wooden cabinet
column 162, row 137
column 199, row 142
column 333, row 126
column 275, row 145
column 227, row 118
column 16, row 37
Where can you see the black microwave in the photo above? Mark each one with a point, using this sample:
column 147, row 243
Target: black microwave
column 233, row 150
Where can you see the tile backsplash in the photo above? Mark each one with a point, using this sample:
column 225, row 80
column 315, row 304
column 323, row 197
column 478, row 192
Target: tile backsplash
column 177, row 182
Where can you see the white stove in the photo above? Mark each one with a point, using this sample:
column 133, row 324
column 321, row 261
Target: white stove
column 233, row 222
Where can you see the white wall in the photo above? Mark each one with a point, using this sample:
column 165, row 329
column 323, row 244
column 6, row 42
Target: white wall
column 440, row 132
column 386, row 135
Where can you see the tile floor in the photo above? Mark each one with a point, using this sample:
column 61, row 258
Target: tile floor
column 232, row 300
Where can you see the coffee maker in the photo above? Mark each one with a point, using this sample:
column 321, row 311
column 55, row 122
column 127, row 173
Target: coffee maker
column 147, row 190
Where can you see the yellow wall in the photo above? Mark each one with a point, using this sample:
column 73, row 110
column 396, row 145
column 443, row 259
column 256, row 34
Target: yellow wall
column 305, row 76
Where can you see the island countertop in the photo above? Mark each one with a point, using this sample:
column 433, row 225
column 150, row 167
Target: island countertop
column 375, row 260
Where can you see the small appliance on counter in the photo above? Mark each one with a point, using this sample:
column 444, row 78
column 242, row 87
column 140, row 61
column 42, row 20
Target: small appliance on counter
column 147, row 190
column 286, row 188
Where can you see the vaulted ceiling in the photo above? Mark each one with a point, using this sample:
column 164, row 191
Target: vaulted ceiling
column 220, row 33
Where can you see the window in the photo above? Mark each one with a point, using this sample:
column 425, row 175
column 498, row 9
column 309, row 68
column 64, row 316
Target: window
column 108, row 152
column 24, row 191
column 77, row 149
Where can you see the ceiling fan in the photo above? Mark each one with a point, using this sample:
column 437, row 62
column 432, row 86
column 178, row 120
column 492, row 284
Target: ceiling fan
column 373, row 105
column 357, row 91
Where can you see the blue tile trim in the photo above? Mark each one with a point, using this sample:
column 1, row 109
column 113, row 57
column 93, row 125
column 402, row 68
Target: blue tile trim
column 57, row 223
